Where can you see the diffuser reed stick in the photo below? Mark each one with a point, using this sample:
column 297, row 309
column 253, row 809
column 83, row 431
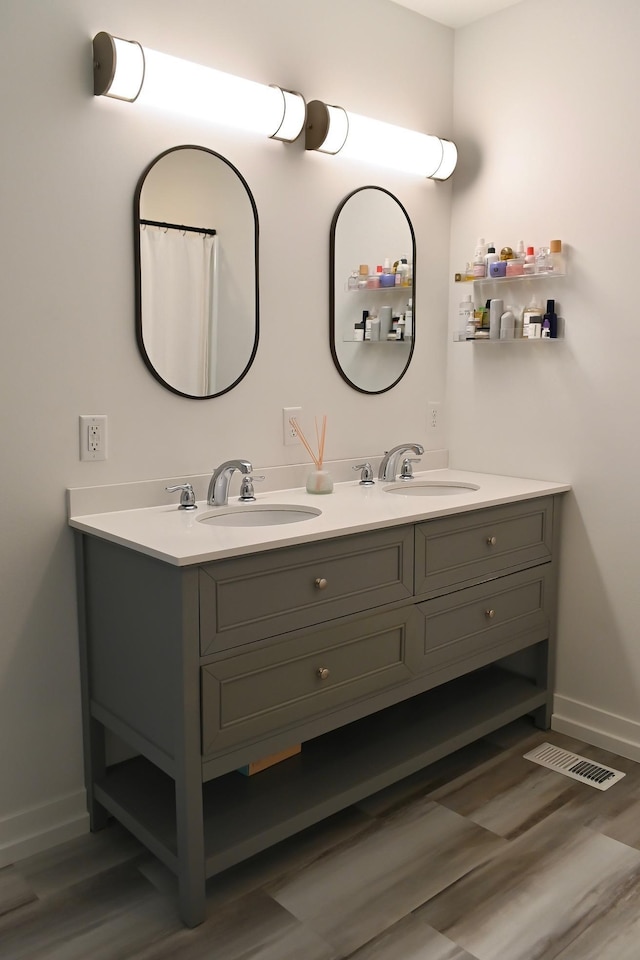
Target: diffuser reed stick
column 318, row 458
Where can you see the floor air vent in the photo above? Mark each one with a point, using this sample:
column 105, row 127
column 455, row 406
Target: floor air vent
column 574, row 766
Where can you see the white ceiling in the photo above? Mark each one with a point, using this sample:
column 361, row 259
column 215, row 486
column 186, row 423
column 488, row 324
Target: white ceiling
column 455, row 13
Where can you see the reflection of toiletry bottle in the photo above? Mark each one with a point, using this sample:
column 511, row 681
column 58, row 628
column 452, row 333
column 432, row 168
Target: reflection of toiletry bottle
column 367, row 324
column 374, row 327
column 496, row 309
column 363, row 275
column 352, row 282
column 358, row 332
column 465, row 314
column 546, row 329
column 387, row 278
column 551, row 318
column 490, row 257
column 556, row 262
column 384, row 314
column 408, row 320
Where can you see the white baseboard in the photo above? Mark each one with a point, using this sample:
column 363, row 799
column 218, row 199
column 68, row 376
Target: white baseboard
column 602, row 729
column 40, row 828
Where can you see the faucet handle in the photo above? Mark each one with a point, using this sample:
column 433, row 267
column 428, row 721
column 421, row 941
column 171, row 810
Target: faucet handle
column 246, row 488
column 366, row 477
column 406, row 471
column 187, row 496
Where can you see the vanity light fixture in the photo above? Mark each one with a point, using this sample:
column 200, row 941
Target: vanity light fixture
column 125, row 70
column 331, row 129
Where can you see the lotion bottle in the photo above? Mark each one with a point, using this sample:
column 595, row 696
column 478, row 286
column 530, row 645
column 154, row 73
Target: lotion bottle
column 496, row 309
column 465, row 315
column 490, row 257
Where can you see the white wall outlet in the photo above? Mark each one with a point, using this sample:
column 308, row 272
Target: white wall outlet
column 434, row 416
column 289, row 435
column 93, row 438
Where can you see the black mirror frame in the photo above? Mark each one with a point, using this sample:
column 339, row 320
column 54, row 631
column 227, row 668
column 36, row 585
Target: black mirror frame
column 138, row 276
column 332, row 278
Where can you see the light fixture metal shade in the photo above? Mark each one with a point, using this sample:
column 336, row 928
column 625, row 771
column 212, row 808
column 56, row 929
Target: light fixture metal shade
column 294, row 113
column 332, row 129
column 123, row 69
column 118, row 67
column 327, row 127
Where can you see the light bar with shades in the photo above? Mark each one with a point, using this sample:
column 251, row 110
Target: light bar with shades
column 125, row 70
column 331, row 129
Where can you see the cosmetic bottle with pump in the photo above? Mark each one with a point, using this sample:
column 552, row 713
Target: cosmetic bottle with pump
column 490, row 257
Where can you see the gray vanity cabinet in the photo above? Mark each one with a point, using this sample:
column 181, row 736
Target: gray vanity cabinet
column 379, row 652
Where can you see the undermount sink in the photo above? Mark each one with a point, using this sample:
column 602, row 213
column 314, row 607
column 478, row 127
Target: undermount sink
column 259, row 515
column 430, row 488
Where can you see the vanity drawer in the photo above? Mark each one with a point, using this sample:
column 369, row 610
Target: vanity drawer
column 262, row 595
column 508, row 612
column 469, row 546
column 281, row 684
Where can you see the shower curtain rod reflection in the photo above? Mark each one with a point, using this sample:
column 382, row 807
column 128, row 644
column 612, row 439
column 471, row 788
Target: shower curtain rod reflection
column 179, row 226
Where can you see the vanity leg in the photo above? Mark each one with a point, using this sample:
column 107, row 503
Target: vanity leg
column 543, row 678
column 191, row 869
column 93, row 732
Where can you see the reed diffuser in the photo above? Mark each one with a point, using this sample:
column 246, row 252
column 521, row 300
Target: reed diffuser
column 319, row 480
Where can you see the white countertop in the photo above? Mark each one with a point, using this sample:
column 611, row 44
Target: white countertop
column 178, row 536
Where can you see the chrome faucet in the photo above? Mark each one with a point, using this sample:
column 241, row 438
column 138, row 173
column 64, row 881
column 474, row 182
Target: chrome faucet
column 389, row 464
column 219, row 484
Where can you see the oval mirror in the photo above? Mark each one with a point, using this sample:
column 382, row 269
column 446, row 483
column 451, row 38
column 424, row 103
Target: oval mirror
column 372, row 295
column 196, row 243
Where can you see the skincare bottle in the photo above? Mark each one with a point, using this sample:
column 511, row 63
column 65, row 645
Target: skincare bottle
column 506, row 253
column 352, row 282
column 479, row 266
column 551, row 319
column 366, row 324
column 384, row 313
column 520, row 250
column 490, row 257
column 533, row 309
column 465, row 315
column 542, row 260
column 496, row 309
column 546, row 329
column 387, row 279
column 515, row 267
column 556, row 262
column 507, row 325
column 358, row 332
column 363, row 276
column 374, row 327
column 529, row 261
column 535, row 328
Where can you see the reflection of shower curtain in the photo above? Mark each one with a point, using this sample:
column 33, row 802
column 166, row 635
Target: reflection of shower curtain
column 179, row 296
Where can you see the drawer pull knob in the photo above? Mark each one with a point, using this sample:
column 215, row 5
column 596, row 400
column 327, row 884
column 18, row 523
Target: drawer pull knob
column 323, row 673
column 490, row 614
column 321, row 583
column 491, row 541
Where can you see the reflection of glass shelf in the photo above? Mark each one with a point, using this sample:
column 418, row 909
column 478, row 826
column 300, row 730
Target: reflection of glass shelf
column 376, row 342
column 393, row 289
column 524, row 276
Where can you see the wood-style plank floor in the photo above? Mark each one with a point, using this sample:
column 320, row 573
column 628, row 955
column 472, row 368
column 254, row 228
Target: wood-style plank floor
column 482, row 856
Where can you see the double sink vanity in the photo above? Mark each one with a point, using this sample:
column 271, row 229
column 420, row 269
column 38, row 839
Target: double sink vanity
column 381, row 627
